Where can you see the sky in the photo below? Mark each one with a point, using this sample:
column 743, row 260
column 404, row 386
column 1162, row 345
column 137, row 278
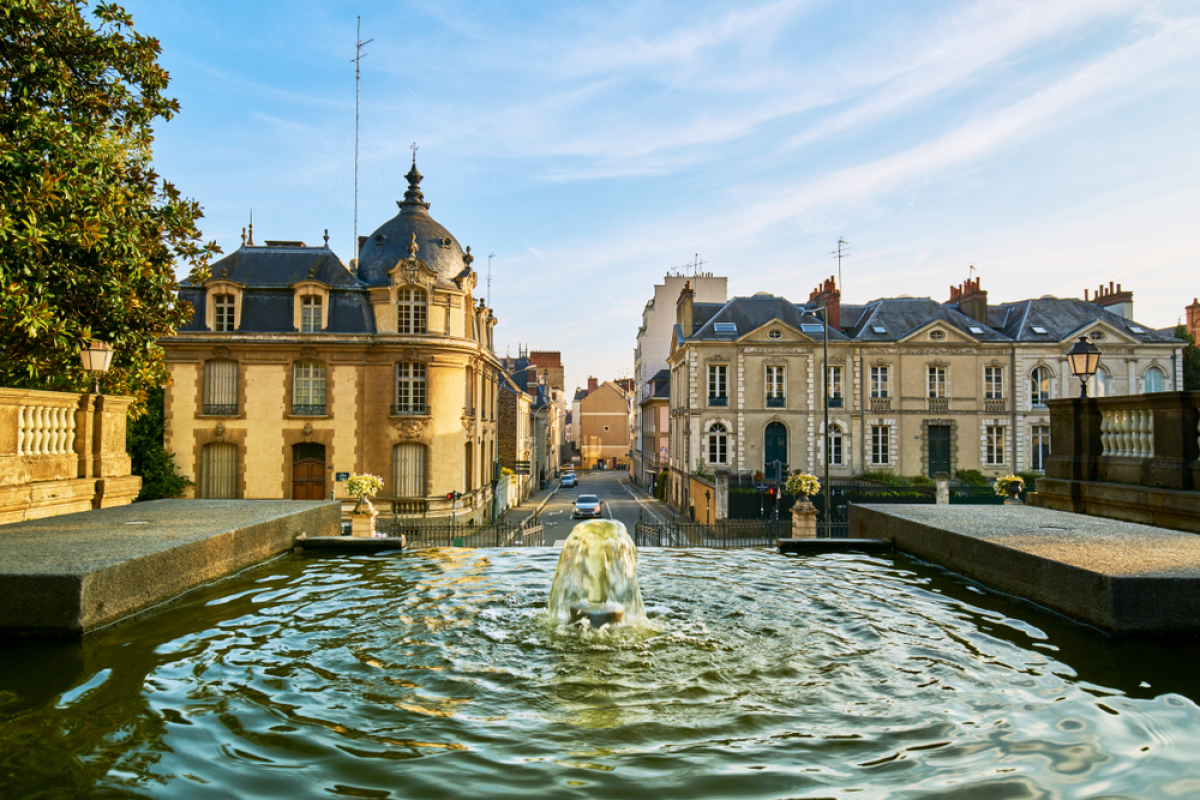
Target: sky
column 591, row 148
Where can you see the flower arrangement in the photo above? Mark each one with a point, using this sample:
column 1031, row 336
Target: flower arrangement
column 1003, row 486
column 802, row 483
column 362, row 487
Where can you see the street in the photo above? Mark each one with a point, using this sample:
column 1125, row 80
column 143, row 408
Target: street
column 616, row 503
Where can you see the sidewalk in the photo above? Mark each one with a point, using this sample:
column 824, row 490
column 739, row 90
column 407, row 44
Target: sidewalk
column 532, row 505
column 656, row 509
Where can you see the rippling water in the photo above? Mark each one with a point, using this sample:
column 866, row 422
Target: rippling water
column 438, row 674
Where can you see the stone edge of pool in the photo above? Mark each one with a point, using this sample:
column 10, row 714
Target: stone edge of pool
column 1120, row 577
column 63, row 576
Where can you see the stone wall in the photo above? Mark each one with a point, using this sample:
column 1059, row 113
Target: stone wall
column 62, row 453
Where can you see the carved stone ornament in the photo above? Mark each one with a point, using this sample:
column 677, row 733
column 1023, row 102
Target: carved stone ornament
column 308, row 352
column 220, row 352
column 308, row 430
column 469, row 426
column 220, row 431
column 409, row 427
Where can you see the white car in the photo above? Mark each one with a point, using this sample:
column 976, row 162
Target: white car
column 587, row 505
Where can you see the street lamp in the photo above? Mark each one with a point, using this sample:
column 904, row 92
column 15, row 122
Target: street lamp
column 1084, row 358
column 96, row 358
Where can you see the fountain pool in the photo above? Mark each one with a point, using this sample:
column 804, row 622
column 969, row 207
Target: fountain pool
column 438, row 673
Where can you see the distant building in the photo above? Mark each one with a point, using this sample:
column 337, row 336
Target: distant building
column 916, row 387
column 1193, row 320
column 604, row 419
column 654, row 415
column 297, row 370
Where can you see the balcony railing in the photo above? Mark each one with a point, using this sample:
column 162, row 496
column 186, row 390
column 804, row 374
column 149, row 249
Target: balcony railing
column 995, row 405
column 776, row 402
column 718, row 401
column 418, row 410
column 938, row 405
column 881, row 404
column 221, row 409
column 308, row 409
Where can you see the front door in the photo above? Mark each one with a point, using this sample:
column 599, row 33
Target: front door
column 939, row 449
column 774, row 451
column 308, row 471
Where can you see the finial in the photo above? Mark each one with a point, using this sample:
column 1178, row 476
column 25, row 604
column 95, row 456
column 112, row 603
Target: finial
column 312, row 273
column 414, row 148
column 412, row 247
column 413, row 197
column 467, row 257
column 243, row 236
column 251, row 240
column 327, row 238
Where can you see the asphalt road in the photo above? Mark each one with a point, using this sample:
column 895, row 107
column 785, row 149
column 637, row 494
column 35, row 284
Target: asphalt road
column 616, row 503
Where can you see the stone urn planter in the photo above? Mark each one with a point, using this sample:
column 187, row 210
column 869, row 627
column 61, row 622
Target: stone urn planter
column 804, row 519
column 362, row 519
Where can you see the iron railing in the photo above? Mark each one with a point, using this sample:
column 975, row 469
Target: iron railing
column 776, row 402
column 308, row 409
column 727, row 534
column 221, row 409
column 713, row 400
column 420, row 533
column 418, row 410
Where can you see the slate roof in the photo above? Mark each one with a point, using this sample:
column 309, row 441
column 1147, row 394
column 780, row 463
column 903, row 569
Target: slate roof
column 283, row 266
column 1061, row 317
column 661, row 382
column 750, row 313
column 900, row 316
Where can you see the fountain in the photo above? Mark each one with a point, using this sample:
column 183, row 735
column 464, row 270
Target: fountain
column 439, row 672
column 596, row 578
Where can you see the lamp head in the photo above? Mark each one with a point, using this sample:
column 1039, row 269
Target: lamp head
column 1084, row 358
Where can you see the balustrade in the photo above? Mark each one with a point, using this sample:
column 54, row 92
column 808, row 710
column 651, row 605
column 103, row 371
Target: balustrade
column 45, row 431
column 1127, row 432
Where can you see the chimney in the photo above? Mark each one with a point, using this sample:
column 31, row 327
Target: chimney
column 361, row 241
column 683, row 310
column 593, row 384
column 1193, row 320
column 828, row 293
column 971, row 300
column 1115, row 300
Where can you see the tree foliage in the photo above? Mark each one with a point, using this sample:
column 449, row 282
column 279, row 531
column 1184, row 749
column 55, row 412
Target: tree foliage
column 151, row 461
column 89, row 233
column 1191, row 359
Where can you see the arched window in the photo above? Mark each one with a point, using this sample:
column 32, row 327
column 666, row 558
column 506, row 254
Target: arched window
column 310, row 313
column 223, row 318
column 1155, row 380
column 1039, row 386
column 308, row 388
column 834, row 443
column 411, row 311
column 718, row 443
column 221, row 387
column 1098, row 385
column 411, row 396
column 408, row 469
column 218, row 471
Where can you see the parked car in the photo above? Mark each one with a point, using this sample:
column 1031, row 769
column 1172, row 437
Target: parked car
column 568, row 480
column 587, row 505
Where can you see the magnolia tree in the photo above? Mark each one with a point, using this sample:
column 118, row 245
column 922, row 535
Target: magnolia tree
column 90, row 235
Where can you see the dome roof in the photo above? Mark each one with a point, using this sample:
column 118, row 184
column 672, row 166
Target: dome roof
column 389, row 244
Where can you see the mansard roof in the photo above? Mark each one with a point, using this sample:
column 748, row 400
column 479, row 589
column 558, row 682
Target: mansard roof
column 891, row 319
column 255, row 266
column 1061, row 318
column 751, row 313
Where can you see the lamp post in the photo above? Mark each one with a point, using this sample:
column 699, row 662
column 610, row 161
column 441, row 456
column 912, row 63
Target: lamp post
column 96, row 358
column 1084, row 358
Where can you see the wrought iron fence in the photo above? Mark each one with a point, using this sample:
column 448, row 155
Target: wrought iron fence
column 726, row 534
column 420, row 534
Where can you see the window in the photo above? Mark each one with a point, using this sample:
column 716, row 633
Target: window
column 717, row 443
column 881, row 445
column 937, row 336
column 411, row 311
column 308, row 388
column 218, row 471
column 834, row 379
column 221, row 387
column 1041, row 447
column 775, row 335
column 1039, row 387
column 310, row 313
column 936, row 382
column 834, row 443
column 993, row 383
column 879, row 382
column 775, row 396
column 994, row 445
column 469, row 391
column 223, row 313
column 1155, row 378
column 410, row 389
column 717, row 385
column 1098, row 385
column 408, row 469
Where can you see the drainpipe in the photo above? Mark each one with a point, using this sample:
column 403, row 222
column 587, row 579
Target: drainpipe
column 1012, row 361
column 862, row 413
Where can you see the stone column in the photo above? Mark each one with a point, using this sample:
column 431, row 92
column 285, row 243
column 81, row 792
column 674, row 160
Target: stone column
column 722, row 509
column 804, row 520
column 942, row 481
column 362, row 520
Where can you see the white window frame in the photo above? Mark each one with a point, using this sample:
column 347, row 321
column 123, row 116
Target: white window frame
column 993, row 450
column 881, row 445
column 993, row 383
column 224, row 313
column 1039, row 436
column 833, row 376
column 935, row 381
column 718, row 444
column 1156, row 384
column 1040, row 386
column 412, row 310
column 412, row 388
column 834, row 441
column 881, row 382
column 308, row 384
column 310, row 313
column 718, row 380
column 775, row 381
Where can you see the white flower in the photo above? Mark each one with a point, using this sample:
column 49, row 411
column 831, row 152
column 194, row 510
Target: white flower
column 802, row 483
column 365, row 485
column 1001, row 486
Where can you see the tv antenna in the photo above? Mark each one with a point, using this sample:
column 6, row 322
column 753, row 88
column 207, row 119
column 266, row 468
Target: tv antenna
column 359, row 55
column 843, row 250
column 489, row 283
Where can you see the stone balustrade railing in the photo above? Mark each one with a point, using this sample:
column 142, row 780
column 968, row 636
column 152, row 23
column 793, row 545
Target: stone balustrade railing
column 61, row 453
column 1127, row 432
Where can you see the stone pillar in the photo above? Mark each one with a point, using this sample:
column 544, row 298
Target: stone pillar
column 722, row 509
column 804, row 520
column 942, row 481
column 362, row 520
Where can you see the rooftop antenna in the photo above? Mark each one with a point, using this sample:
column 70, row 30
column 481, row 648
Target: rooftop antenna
column 971, row 271
column 843, row 249
column 489, row 285
column 359, row 55
column 251, row 242
column 696, row 266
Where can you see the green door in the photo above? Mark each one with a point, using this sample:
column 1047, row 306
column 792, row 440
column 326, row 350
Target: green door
column 939, row 449
column 774, row 451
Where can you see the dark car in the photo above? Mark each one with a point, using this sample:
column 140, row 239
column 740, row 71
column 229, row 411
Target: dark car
column 587, row 505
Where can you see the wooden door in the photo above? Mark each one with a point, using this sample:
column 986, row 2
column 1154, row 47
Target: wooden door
column 308, row 472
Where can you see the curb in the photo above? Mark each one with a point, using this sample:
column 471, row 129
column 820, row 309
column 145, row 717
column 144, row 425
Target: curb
column 541, row 505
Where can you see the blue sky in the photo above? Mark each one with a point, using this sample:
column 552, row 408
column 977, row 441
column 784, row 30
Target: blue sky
column 592, row 147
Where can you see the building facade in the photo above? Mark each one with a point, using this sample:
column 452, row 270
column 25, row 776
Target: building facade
column 297, row 370
column 604, row 419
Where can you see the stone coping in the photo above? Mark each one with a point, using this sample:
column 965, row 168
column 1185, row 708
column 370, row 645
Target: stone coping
column 1121, row 577
column 807, row 545
column 65, row 575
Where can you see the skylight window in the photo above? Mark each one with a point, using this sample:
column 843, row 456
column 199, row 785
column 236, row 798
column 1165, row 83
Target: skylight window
column 975, row 329
column 811, row 328
column 1037, row 329
column 725, row 327
column 1137, row 329
column 878, row 329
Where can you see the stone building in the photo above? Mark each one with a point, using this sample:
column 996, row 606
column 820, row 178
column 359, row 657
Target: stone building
column 603, row 425
column 654, row 419
column 297, row 370
column 915, row 387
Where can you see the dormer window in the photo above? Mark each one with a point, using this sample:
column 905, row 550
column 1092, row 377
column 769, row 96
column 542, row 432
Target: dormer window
column 310, row 314
column 223, row 316
column 412, row 311
column 310, row 305
column 223, row 305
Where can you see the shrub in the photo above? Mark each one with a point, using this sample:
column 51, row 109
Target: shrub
column 971, row 477
column 922, row 480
